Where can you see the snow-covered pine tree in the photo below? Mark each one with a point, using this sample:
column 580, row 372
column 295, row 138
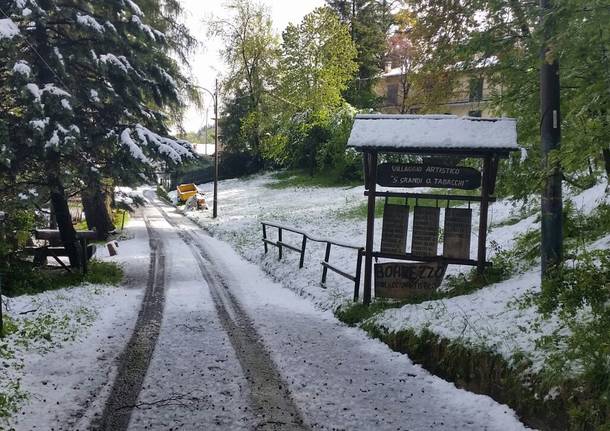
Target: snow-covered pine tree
column 94, row 87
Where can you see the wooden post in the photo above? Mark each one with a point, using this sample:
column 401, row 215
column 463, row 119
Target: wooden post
column 358, row 276
column 483, row 216
column 371, row 160
column 303, row 246
column 85, row 252
column 324, row 268
column 279, row 242
column 265, row 237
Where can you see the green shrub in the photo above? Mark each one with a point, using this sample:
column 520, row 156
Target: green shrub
column 354, row 313
column 580, row 295
column 11, row 400
column 162, row 194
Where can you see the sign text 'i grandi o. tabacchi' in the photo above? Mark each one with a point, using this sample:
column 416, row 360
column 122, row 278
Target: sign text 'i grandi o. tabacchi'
column 412, row 175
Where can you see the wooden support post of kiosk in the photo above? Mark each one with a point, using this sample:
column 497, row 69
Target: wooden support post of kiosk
column 485, row 192
column 371, row 186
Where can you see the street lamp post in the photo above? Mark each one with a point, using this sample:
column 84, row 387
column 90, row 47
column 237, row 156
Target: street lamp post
column 2, row 218
column 215, row 210
column 215, row 97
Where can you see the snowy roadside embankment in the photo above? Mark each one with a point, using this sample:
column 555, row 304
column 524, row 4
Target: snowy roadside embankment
column 62, row 357
column 496, row 318
column 329, row 213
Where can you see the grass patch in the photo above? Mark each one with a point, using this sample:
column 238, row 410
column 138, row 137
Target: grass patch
column 503, row 265
column 104, row 273
column 162, row 194
column 27, row 280
column 300, row 178
column 117, row 220
column 81, row 225
column 356, row 313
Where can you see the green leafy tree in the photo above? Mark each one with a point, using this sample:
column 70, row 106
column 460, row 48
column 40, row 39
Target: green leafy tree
column 251, row 52
column 318, row 61
column 317, row 64
column 369, row 22
column 422, row 88
column 502, row 40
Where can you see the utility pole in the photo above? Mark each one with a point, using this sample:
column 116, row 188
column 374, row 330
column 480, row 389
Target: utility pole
column 550, row 134
column 2, row 219
column 215, row 210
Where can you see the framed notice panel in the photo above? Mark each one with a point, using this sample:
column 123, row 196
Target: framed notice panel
column 394, row 232
column 425, row 231
column 399, row 280
column 458, row 228
column 409, row 175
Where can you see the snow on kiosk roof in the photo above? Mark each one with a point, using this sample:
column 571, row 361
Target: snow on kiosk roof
column 434, row 134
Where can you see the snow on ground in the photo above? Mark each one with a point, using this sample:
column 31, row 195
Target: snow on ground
column 323, row 213
column 193, row 361
column 67, row 373
column 340, row 378
column 493, row 318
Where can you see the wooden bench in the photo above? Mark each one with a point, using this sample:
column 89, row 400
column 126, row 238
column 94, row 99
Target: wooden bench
column 52, row 237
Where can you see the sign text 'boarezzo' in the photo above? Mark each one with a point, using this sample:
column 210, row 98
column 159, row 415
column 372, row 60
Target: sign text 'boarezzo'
column 399, row 280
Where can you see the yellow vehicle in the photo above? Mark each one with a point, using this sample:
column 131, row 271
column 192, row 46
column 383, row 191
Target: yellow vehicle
column 186, row 191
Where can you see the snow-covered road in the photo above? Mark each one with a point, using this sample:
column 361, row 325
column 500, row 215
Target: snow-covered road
column 238, row 351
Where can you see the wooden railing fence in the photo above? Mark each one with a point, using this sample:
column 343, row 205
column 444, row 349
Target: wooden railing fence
column 281, row 244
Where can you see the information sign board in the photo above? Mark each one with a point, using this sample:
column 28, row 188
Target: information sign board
column 399, row 280
column 425, row 231
column 413, row 175
column 458, row 228
column 394, row 232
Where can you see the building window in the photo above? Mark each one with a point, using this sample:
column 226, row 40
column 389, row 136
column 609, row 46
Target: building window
column 474, row 113
column 392, row 95
column 476, row 90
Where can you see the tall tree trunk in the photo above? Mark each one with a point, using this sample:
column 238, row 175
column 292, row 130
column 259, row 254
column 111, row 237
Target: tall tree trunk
column 59, row 201
column 96, row 203
column 59, row 204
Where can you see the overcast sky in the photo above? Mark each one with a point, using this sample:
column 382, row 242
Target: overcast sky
column 206, row 63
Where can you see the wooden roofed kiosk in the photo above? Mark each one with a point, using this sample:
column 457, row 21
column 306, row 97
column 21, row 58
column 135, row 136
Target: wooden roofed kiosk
column 437, row 147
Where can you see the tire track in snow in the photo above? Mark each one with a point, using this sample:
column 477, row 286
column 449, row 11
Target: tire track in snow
column 271, row 399
column 135, row 359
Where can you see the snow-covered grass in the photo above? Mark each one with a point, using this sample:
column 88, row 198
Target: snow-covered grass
column 61, row 345
column 496, row 318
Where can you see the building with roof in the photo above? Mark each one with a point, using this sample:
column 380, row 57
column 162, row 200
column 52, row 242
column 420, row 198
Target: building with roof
column 470, row 96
